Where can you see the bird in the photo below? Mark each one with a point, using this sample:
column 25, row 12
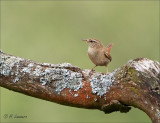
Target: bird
column 98, row 53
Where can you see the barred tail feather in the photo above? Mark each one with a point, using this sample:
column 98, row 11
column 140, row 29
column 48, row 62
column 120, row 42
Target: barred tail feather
column 109, row 47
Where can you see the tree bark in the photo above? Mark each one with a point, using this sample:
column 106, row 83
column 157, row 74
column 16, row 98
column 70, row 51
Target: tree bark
column 135, row 84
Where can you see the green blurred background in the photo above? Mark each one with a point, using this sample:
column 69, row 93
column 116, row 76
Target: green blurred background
column 51, row 31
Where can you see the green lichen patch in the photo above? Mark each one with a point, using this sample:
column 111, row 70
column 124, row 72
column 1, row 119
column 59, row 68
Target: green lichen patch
column 135, row 90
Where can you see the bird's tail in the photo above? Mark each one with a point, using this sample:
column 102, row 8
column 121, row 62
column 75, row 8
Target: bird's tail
column 109, row 47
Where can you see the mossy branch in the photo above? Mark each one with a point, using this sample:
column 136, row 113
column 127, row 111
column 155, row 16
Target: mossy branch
column 135, row 84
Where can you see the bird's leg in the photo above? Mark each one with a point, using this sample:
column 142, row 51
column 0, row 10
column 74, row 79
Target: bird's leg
column 106, row 70
column 93, row 68
column 90, row 73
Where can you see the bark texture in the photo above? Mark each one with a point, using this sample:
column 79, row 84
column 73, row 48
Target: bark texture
column 135, row 84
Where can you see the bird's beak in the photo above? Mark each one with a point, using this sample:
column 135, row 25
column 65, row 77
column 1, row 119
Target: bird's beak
column 85, row 40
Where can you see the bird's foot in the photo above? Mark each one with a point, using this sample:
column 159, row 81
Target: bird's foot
column 91, row 72
column 107, row 73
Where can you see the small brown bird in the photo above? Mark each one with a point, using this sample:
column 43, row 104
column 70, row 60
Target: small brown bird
column 99, row 54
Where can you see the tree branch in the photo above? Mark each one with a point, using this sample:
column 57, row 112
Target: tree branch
column 135, row 84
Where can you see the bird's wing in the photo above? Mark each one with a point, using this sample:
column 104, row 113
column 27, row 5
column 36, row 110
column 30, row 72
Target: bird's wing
column 107, row 54
column 107, row 51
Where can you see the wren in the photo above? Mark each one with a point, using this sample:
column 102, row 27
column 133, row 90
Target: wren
column 98, row 53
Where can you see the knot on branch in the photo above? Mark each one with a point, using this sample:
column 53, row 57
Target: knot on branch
column 115, row 105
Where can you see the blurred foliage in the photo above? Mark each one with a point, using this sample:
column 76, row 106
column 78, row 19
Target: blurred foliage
column 52, row 31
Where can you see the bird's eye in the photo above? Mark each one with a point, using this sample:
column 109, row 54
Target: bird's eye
column 92, row 41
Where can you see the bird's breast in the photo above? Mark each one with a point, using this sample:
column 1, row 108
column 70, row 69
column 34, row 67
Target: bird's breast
column 97, row 56
column 91, row 51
